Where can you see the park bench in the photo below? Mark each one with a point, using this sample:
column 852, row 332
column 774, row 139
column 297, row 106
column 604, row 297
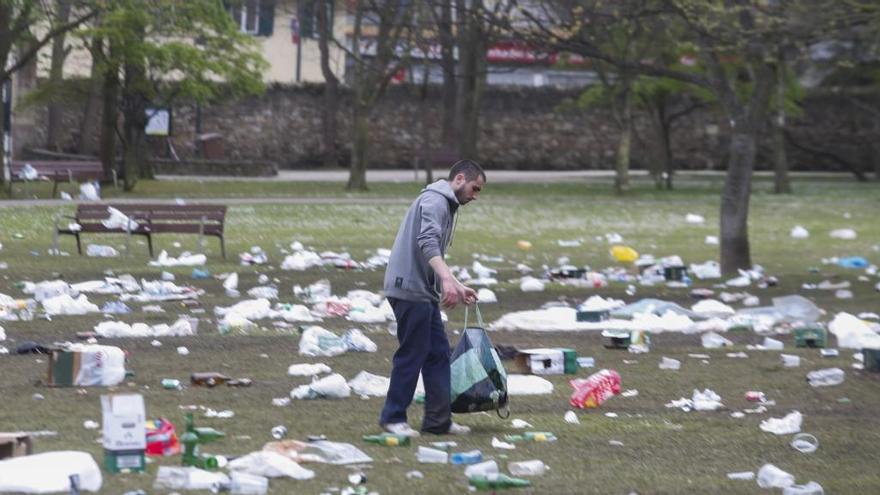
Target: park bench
column 150, row 219
column 61, row 171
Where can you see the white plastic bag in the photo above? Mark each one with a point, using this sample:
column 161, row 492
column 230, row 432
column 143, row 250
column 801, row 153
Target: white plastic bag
column 271, row 465
column 356, row 341
column 49, row 473
column 317, row 341
column 367, row 384
column 119, row 220
column 100, row 365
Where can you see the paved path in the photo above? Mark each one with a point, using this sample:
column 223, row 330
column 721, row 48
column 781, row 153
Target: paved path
column 500, row 176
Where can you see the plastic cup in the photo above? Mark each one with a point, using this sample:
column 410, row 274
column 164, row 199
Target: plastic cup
column 434, row 456
column 805, row 443
column 527, row 468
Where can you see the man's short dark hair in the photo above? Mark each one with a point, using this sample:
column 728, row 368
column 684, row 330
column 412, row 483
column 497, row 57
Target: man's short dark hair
column 469, row 168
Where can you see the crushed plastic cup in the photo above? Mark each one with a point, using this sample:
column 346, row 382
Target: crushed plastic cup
column 432, row 456
column 805, row 443
column 481, row 469
column 773, row 344
column 790, row 360
column 669, row 363
column 770, row 476
column 825, row 377
column 527, row 468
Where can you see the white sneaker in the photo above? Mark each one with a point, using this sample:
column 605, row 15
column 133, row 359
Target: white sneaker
column 400, row 429
column 457, row 429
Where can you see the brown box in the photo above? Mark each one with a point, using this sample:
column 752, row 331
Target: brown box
column 15, row 444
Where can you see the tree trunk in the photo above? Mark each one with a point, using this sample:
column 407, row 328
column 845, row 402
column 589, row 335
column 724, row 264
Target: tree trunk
column 329, row 152
column 667, row 152
column 357, row 178
column 875, row 148
column 781, row 182
column 735, row 251
column 624, row 146
column 109, row 104
column 135, row 163
column 448, row 91
column 56, row 76
column 425, row 118
column 85, row 144
column 468, row 80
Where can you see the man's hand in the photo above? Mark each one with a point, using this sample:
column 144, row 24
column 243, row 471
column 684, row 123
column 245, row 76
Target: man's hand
column 454, row 292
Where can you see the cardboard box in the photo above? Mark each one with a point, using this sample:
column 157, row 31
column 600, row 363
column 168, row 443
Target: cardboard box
column 593, row 315
column 810, row 337
column 125, row 433
column 85, row 366
column 545, row 361
column 15, row 444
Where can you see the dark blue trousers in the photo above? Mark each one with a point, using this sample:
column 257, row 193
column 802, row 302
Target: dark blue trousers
column 423, row 347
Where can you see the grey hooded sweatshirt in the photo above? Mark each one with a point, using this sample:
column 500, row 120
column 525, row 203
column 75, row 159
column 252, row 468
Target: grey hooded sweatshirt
column 424, row 233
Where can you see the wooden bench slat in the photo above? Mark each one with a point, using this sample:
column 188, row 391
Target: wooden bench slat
column 206, row 220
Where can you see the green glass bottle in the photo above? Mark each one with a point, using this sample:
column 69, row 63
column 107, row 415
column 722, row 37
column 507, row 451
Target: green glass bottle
column 389, row 439
column 495, row 481
column 191, row 439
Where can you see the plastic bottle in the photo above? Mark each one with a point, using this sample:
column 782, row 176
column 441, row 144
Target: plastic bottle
column 497, row 481
column 527, row 468
column 27, row 308
column 826, row 377
column 470, row 457
column 389, row 439
column 532, row 436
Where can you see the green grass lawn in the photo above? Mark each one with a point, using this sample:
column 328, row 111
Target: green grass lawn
column 664, row 450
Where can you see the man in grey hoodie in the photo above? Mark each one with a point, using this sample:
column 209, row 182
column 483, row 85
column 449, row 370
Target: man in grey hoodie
column 416, row 281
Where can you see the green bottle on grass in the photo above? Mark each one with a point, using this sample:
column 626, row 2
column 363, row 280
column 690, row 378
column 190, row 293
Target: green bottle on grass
column 389, row 439
column 496, row 481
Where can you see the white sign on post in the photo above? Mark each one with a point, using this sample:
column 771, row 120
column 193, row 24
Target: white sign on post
column 158, row 122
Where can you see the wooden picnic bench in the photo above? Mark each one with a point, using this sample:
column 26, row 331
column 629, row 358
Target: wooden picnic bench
column 61, row 171
column 146, row 220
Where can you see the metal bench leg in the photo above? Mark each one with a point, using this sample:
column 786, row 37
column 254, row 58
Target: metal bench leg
column 201, row 242
column 55, row 238
column 54, row 188
column 128, row 237
column 222, row 247
column 150, row 244
column 79, row 248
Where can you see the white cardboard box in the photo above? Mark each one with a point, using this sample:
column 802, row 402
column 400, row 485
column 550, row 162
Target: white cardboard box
column 124, row 422
column 540, row 361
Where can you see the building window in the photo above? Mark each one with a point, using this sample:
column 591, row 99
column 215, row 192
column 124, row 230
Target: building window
column 253, row 16
column 308, row 17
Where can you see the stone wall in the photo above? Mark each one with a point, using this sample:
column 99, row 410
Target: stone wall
column 520, row 129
